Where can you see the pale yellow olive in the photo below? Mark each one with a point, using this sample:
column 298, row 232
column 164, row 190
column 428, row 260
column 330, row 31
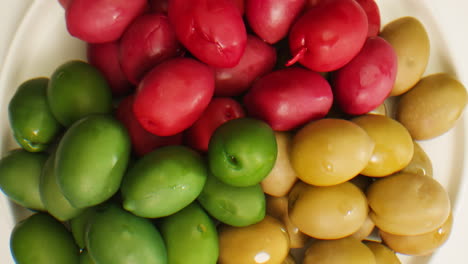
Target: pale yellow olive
column 382, row 254
column 329, row 212
column 365, row 230
column 346, row 250
column 278, row 208
column 432, row 107
column 419, row 245
column 420, row 163
column 408, row 204
column 330, row 151
column 410, row 41
column 282, row 177
column 393, row 145
column 265, row 242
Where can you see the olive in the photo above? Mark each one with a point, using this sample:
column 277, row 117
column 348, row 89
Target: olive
column 346, row 250
column 382, row 254
column 420, row 163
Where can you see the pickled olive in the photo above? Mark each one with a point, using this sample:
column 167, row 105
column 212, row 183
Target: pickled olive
column 329, row 212
column 365, row 230
column 91, row 160
column 117, row 236
column 163, row 182
column 393, row 145
column 410, row 41
column 79, row 225
column 20, row 173
column 408, row 204
column 346, row 250
column 419, row 245
column 282, row 177
column 33, row 124
column 382, row 254
column 77, row 89
column 236, row 206
column 420, row 163
column 265, row 242
column 432, row 107
column 192, row 232
column 40, row 239
column 321, row 151
column 278, row 208
column 51, row 195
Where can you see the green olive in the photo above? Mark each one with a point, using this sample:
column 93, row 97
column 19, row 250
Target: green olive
column 264, row 242
column 329, row 212
column 85, row 258
column 408, row 204
column 419, row 245
column 382, row 254
column 420, row 163
column 393, row 145
column 410, row 41
column 346, row 250
column 432, row 107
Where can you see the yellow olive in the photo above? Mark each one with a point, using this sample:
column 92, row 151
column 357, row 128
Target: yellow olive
column 380, row 110
column 365, row 230
column 408, row 204
column 265, row 242
column 321, row 151
column 346, row 250
column 278, row 208
column 329, row 212
column 432, row 107
column 419, row 245
column 282, row 177
column 382, row 254
column 289, row 260
column 420, row 163
column 410, row 41
column 393, row 145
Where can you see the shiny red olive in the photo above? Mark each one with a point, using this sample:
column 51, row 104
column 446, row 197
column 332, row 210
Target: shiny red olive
column 373, row 16
column 148, row 41
column 212, row 30
column 288, row 98
column 173, row 95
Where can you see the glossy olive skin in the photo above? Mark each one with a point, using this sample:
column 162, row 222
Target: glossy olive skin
column 41, row 239
column 330, row 212
column 351, row 251
column 282, row 177
column 20, row 173
column 264, row 242
column 192, row 232
column 79, row 225
column 420, row 163
column 85, row 258
column 432, row 106
column 117, row 236
column 236, row 206
column 51, row 195
column 410, row 41
column 164, row 181
column 408, row 204
column 382, row 254
column 419, row 245
column 91, row 160
column 393, row 145
column 77, row 89
column 33, row 124
column 320, row 151
column 365, row 230
column 242, row 151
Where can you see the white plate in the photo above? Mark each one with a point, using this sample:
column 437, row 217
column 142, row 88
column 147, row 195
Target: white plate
column 42, row 43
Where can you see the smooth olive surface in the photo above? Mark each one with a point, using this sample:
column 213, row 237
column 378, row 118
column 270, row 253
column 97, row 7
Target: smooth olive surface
column 40, row 239
column 393, row 145
column 346, row 250
column 408, row 204
column 382, row 254
column 265, row 242
column 410, row 41
column 420, row 163
column 433, row 106
column 365, row 230
column 321, row 151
